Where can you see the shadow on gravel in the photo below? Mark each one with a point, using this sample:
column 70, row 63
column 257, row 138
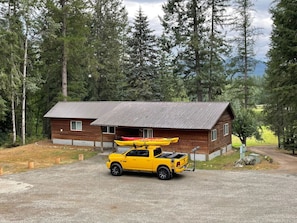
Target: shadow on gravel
column 142, row 175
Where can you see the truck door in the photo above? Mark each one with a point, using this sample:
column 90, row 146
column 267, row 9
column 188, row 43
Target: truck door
column 138, row 160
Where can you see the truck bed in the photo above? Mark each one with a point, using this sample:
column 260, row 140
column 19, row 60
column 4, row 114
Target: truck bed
column 171, row 155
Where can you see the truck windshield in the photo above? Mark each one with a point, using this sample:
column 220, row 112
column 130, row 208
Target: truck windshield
column 157, row 151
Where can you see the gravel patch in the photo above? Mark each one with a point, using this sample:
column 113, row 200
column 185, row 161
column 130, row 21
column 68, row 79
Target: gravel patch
column 11, row 186
column 86, row 192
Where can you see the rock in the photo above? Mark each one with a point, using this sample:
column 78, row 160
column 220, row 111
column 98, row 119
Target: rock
column 248, row 160
column 239, row 163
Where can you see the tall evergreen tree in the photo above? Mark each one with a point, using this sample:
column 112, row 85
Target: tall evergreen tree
column 243, row 59
column 281, row 81
column 63, row 52
column 243, row 63
column 218, row 47
column 63, row 49
column 140, row 69
column 183, row 23
column 168, row 85
column 106, row 42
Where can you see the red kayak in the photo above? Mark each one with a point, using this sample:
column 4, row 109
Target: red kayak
column 127, row 138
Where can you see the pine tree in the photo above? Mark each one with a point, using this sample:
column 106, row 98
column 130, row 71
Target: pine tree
column 218, row 47
column 169, row 85
column 243, row 59
column 281, row 82
column 63, row 50
column 108, row 27
column 141, row 61
column 183, row 23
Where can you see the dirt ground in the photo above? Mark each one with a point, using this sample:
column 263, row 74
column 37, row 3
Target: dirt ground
column 287, row 163
column 43, row 154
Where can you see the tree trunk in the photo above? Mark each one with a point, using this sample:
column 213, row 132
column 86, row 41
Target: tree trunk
column 13, row 118
column 243, row 140
column 197, row 55
column 211, row 51
column 245, row 56
column 12, row 87
column 64, row 53
column 24, row 89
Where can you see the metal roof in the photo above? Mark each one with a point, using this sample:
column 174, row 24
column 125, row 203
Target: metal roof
column 80, row 109
column 176, row 115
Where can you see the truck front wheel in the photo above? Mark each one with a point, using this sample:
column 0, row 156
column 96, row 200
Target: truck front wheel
column 116, row 169
column 164, row 173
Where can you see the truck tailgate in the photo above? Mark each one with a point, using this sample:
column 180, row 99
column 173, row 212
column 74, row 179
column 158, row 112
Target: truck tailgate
column 184, row 160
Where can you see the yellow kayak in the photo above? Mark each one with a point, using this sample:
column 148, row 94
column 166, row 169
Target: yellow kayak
column 147, row 142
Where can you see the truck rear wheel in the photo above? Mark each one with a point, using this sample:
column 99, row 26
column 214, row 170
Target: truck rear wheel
column 116, row 169
column 164, row 173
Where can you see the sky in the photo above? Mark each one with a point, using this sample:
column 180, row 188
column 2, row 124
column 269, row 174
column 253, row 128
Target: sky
column 261, row 20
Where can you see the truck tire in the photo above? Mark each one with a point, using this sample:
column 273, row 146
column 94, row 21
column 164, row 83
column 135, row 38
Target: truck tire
column 116, row 169
column 164, row 173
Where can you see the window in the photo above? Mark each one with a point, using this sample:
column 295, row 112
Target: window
column 147, row 133
column 157, row 151
column 76, row 125
column 214, row 135
column 141, row 153
column 226, row 129
column 108, row 129
column 132, row 153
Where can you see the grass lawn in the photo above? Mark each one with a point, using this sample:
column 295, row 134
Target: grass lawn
column 227, row 161
column 268, row 139
column 43, row 154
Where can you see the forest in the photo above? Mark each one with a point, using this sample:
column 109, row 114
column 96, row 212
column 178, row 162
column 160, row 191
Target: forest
column 87, row 50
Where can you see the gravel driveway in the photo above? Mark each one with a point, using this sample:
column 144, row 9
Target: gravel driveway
column 86, row 192
column 287, row 162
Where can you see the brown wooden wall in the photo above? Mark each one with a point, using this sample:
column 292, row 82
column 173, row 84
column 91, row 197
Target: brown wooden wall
column 88, row 133
column 188, row 139
column 222, row 140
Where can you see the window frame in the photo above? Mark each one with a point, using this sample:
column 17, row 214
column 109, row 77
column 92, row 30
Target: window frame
column 138, row 153
column 108, row 129
column 148, row 133
column 226, row 129
column 77, row 127
column 214, row 135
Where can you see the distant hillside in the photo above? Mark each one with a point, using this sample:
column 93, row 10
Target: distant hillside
column 260, row 68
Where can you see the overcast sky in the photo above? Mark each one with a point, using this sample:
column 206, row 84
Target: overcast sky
column 262, row 20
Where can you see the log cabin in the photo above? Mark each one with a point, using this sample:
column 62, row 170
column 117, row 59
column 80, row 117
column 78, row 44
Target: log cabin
column 204, row 124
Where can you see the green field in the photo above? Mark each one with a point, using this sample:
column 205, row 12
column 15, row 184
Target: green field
column 268, row 139
column 227, row 161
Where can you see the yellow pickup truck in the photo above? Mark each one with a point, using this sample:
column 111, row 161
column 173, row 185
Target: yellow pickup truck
column 148, row 159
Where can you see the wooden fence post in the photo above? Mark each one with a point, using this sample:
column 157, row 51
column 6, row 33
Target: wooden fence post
column 30, row 164
column 58, row 160
column 80, row 157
